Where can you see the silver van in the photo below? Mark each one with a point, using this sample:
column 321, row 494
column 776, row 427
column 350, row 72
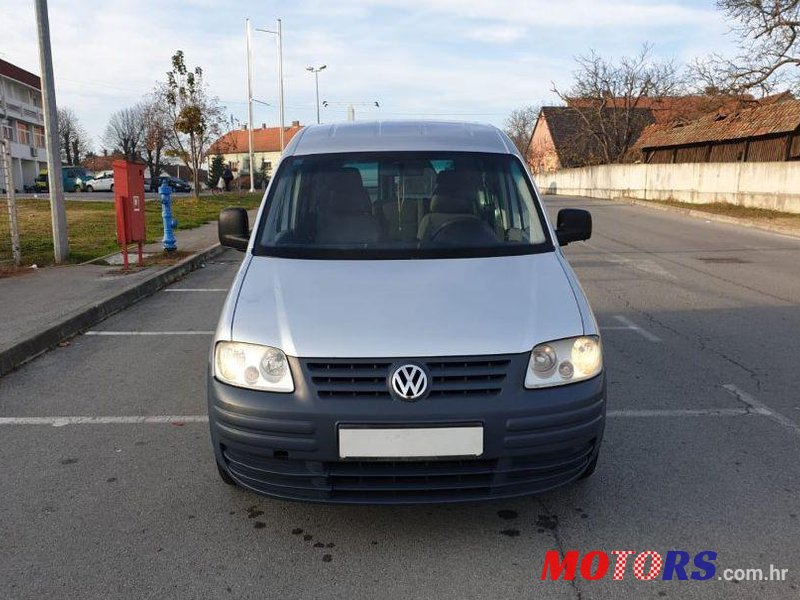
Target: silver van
column 404, row 327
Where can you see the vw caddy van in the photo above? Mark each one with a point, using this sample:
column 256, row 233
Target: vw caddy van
column 404, row 327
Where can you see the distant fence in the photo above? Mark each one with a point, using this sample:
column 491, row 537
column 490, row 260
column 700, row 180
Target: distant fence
column 770, row 185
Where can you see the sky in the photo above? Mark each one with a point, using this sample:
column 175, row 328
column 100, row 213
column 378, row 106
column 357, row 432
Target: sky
column 471, row 60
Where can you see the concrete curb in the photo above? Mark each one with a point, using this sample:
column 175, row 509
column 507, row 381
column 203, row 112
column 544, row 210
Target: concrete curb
column 699, row 214
column 83, row 318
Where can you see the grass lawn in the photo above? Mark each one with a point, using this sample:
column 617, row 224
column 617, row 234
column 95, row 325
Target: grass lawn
column 763, row 216
column 91, row 226
column 733, row 210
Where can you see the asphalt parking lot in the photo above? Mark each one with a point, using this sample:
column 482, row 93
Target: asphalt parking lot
column 109, row 488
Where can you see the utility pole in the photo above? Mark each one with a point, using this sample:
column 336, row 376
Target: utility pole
column 279, row 41
column 58, row 212
column 249, row 51
column 351, row 106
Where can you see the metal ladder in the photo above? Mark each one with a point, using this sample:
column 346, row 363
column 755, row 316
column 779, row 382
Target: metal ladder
column 11, row 201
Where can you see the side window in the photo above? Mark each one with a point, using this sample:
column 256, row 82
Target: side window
column 524, row 206
column 282, row 215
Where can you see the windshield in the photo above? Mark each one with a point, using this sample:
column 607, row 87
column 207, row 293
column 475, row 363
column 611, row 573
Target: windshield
column 401, row 205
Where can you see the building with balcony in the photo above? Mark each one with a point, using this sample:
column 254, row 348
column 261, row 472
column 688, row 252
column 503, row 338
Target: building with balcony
column 22, row 123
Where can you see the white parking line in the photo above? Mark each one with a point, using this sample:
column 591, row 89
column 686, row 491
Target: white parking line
column 758, row 407
column 133, row 420
column 650, row 337
column 149, row 333
column 644, row 265
column 195, row 290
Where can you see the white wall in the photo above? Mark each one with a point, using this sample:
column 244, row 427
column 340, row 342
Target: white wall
column 771, row 185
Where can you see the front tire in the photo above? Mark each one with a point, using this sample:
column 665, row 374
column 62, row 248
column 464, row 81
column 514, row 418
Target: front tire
column 89, row 189
column 223, row 474
column 592, row 466
column 111, row 189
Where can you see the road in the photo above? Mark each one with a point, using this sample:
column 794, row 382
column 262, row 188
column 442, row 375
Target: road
column 700, row 325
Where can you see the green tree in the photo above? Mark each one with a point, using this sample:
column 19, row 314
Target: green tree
column 195, row 118
column 215, row 172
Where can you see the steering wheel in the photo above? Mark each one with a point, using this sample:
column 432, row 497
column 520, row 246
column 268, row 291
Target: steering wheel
column 475, row 228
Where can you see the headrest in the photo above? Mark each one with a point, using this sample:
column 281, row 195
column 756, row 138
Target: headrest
column 454, row 193
column 346, row 193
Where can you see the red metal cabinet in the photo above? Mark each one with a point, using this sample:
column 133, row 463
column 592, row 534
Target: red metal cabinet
column 129, row 203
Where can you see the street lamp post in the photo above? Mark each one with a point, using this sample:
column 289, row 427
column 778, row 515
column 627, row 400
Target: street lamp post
column 315, row 71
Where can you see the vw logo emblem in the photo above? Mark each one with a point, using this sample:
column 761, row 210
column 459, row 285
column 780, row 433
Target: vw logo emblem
column 409, row 382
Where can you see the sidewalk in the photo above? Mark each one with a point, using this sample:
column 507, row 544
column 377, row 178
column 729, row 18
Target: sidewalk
column 41, row 308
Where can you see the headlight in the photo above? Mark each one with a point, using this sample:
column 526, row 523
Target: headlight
column 564, row 361
column 252, row 366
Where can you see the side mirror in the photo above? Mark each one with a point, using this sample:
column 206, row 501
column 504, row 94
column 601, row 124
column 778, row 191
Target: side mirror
column 573, row 225
column 234, row 228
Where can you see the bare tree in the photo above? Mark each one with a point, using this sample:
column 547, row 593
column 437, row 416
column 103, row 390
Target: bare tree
column 195, row 118
column 519, row 127
column 154, row 139
column 125, row 131
column 767, row 32
column 611, row 98
column 72, row 137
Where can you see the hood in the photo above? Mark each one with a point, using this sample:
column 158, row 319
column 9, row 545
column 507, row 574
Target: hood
column 405, row 308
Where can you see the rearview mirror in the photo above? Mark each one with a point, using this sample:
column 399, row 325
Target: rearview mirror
column 573, row 225
column 234, row 228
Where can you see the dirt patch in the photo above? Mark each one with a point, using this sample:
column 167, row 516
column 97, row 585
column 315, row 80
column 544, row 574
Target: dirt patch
column 772, row 220
column 13, row 271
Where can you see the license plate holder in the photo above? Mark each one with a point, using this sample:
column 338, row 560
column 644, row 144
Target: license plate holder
column 410, row 442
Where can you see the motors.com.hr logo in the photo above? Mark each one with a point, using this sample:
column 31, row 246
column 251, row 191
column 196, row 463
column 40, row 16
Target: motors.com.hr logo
column 647, row 566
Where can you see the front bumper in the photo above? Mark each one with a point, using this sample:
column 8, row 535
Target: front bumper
column 286, row 445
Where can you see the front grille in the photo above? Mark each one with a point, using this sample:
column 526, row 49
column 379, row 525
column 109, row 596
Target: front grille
column 408, row 481
column 450, row 377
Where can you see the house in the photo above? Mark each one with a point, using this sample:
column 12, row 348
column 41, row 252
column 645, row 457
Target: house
column 668, row 109
column 22, row 124
column 766, row 131
column 570, row 136
column 233, row 146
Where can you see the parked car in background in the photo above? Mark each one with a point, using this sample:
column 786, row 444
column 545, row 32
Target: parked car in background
column 40, row 183
column 177, row 185
column 102, row 182
column 74, row 179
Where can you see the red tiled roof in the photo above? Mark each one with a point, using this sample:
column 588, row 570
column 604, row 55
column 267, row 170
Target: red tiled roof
column 671, row 108
column 20, row 74
column 781, row 115
column 265, row 139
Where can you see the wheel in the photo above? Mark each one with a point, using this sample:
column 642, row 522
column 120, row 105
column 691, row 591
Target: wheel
column 590, row 469
column 89, row 189
column 223, row 474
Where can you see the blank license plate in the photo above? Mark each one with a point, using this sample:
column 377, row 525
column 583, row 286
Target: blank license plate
column 407, row 442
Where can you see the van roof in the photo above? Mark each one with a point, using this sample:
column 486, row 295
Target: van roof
column 369, row 136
